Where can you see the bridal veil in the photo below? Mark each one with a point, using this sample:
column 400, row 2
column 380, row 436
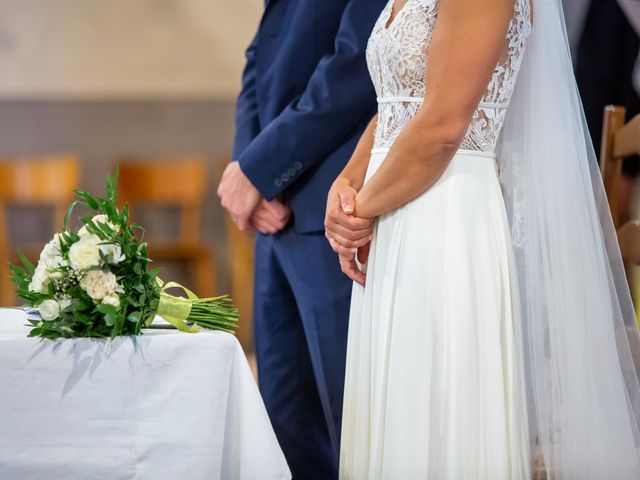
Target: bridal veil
column 579, row 324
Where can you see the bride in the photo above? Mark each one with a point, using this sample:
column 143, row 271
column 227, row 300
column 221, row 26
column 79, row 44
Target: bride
column 491, row 325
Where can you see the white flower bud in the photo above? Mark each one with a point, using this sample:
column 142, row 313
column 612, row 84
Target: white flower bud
column 56, row 275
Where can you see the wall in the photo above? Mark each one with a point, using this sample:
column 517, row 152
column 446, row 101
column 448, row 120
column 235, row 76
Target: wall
column 124, row 48
column 98, row 132
column 105, row 78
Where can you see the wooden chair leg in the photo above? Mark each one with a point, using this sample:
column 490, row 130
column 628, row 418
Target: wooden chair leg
column 6, row 290
column 540, row 474
column 634, row 277
column 3, row 287
column 539, row 468
column 205, row 273
column 242, row 286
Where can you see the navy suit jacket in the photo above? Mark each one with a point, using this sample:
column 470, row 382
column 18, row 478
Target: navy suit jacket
column 306, row 99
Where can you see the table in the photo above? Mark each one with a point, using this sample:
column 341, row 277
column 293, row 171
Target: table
column 161, row 406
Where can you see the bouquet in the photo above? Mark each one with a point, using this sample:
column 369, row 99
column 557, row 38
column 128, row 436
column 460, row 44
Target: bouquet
column 96, row 282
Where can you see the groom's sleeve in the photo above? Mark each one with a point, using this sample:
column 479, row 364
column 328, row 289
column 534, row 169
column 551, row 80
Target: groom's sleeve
column 247, row 123
column 337, row 98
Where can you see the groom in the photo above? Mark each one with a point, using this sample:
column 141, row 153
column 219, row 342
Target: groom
column 306, row 99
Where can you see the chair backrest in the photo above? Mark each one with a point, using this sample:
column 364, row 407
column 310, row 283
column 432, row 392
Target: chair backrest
column 167, row 181
column 629, row 239
column 5, row 285
column 46, row 180
column 39, row 181
column 619, row 140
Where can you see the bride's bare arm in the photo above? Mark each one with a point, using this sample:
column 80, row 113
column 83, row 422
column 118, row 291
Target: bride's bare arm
column 356, row 168
column 467, row 42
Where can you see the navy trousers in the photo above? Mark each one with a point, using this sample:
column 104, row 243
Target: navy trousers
column 301, row 319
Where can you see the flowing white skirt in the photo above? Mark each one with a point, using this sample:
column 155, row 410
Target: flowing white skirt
column 435, row 384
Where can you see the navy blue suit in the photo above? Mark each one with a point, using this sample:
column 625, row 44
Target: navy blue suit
column 306, row 99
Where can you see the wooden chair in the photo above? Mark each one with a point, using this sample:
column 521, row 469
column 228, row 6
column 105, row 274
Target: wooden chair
column 240, row 246
column 539, row 470
column 619, row 141
column 173, row 182
column 6, row 296
column 46, row 181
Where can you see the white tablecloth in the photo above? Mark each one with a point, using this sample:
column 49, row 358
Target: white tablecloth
column 162, row 406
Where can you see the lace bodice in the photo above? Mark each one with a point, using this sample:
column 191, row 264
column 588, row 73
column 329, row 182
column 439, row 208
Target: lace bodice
column 397, row 63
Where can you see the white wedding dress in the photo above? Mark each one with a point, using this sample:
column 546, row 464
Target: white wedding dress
column 435, row 385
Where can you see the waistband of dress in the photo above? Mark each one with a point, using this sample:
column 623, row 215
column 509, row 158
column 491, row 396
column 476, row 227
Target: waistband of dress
column 409, row 99
column 460, row 152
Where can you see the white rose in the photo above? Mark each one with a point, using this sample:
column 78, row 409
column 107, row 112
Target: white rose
column 113, row 252
column 85, row 253
column 51, row 254
column 112, row 299
column 49, row 310
column 83, row 232
column 51, row 249
column 40, row 279
column 99, row 284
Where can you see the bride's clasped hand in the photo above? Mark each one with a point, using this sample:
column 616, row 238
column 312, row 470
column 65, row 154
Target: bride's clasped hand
column 349, row 235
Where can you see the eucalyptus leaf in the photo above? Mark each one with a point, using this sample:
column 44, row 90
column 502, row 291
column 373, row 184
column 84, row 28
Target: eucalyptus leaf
column 106, row 309
column 110, row 319
column 28, row 265
column 67, row 215
column 91, row 202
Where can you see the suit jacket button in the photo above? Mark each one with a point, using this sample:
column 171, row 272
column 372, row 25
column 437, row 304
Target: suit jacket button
column 291, row 171
column 285, row 177
column 278, row 183
column 297, row 166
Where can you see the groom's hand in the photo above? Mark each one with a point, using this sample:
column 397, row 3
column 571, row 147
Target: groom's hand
column 238, row 195
column 270, row 217
column 350, row 268
column 345, row 232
